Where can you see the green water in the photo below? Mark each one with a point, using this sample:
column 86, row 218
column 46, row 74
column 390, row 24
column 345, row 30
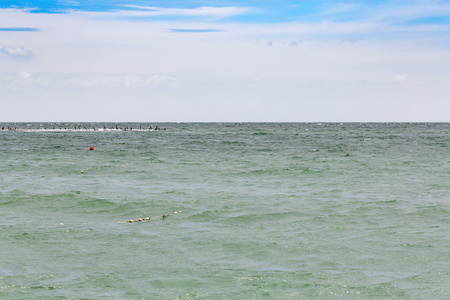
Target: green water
column 274, row 211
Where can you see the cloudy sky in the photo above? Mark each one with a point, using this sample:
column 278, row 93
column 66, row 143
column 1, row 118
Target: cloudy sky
column 224, row 60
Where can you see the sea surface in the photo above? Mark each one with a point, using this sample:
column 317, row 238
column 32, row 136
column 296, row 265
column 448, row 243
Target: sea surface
column 264, row 211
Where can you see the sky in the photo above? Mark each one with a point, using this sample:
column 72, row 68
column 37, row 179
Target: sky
column 224, row 61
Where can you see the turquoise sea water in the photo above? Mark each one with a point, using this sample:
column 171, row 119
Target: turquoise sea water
column 268, row 210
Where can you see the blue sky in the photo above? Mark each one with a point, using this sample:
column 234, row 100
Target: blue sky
column 292, row 61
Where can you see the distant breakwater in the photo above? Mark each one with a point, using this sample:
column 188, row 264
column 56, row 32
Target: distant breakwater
column 84, row 128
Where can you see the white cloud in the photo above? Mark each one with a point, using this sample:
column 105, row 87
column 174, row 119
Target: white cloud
column 160, row 80
column 219, row 12
column 16, row 51
column 399, row 78
column 155, row 80
column 24, row 75
column 26, row 81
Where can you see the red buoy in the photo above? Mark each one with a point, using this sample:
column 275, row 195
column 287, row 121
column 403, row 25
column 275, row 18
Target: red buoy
column 92, row 148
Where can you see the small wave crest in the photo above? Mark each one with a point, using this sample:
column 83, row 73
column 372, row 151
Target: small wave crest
column 207, row 215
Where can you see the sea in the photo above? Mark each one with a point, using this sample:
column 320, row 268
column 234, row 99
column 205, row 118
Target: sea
column 225, row 210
